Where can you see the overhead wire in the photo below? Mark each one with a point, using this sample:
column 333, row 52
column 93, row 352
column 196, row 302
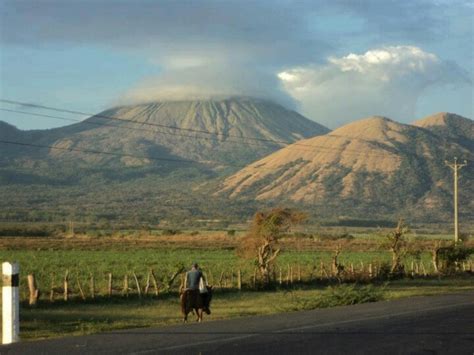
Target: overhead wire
column 290, row 145
column 99, row 152
column 109, row 117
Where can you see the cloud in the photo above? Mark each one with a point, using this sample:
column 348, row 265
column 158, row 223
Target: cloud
column 386, row 81
column 254, row 32
column 204, row 49
column 209, row 82
column 213, row 48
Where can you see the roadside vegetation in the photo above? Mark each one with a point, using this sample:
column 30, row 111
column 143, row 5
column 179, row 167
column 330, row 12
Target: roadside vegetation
column 80, row 318
column 131, row 279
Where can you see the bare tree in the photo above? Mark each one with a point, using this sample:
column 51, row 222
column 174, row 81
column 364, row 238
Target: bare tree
column 261, row 243
column 336, row 266
column 398, row 247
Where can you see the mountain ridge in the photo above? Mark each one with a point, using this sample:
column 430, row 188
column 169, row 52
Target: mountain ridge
column 227, row 131
column 366, row 160
column 371, row 167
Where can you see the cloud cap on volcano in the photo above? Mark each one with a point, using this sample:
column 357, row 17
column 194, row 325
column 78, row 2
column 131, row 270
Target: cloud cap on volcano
column 209, row 82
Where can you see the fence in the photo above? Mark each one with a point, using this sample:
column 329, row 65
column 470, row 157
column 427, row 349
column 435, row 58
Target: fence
column 87, row 287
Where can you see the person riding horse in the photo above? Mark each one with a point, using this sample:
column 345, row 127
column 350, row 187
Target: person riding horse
column 196, row 295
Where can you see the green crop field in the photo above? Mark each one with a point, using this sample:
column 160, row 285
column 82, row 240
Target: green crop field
column 51, row 265
column 304, row 268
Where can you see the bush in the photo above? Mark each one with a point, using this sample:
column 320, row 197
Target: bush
column 345, row 295
column 328, row 237
column 302, row 235
column 193, row 233
column 170, row 232
column 231, row 232
column 346, row 236
column 31, row 230
column 385, row 271
column 451, row 256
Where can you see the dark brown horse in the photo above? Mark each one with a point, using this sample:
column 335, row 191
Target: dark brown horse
column 192, row 300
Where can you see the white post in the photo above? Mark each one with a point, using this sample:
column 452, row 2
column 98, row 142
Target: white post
column 11, row 303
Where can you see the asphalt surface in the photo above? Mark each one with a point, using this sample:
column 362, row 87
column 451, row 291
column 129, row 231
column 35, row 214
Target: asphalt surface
column 423, row 325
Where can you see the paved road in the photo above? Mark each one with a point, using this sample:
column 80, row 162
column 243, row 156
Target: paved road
column 423, row 325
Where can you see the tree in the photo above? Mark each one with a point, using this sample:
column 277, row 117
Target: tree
column 398, row 247
column 261, row 243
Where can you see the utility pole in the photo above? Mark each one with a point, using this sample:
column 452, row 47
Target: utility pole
column 456, row 167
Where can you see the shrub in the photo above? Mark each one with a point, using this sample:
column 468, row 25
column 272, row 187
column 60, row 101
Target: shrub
column 346, row 236
column 231, row 232
column 170, row 232
column 345, row 295
column 302, row 235
column 451, row 256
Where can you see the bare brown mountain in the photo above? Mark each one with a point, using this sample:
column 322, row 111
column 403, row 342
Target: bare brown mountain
column 374, row 165
column 450, row 126
column 144, row 130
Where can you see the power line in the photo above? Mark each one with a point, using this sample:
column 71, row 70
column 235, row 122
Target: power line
column 276, row 142
column 108, row 117
column 98, row 124
column 120, row 127
column 91, row 151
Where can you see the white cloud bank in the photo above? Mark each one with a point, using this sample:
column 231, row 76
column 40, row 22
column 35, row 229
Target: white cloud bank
column 387, row 81
column 192, row 80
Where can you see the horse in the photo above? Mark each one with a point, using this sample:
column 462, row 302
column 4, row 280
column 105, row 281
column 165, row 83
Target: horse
column 194, row 300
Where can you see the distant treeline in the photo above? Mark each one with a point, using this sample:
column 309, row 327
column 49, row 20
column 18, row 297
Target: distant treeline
column 383, row 223
column 26, row 230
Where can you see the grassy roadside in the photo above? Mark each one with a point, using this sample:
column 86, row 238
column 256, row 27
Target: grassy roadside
column 80, row 318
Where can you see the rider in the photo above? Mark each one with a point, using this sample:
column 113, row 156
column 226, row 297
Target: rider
column 193, row 277
column 191, row 286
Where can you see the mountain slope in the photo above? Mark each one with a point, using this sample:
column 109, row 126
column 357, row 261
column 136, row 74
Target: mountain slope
column 372, row 164
column 142, row 130
column 450, row 126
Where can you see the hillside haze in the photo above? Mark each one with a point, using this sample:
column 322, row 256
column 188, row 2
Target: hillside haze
column 374, row 165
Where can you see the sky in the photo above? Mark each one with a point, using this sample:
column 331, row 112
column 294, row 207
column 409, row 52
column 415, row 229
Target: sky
column 334, row 61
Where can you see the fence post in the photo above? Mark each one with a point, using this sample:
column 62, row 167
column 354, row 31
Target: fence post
column 125, row 285
column 81, row 291
column 66, row 285
column 155, row 284
column 239, row 279
column 92, row 286
column 288, row 275
column 51, row 293
column 138, row 285
column 109, row 285
column 10, row 303
column 34, row 292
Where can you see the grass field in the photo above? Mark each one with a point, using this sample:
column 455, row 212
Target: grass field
column 82, row 256
column 48, row 265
